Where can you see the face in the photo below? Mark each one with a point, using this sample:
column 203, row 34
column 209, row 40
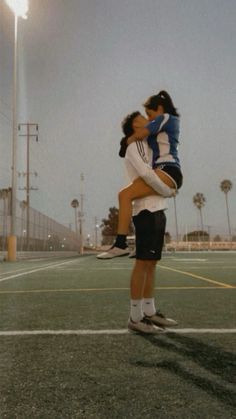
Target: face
column 151, row 114
column 139, row 122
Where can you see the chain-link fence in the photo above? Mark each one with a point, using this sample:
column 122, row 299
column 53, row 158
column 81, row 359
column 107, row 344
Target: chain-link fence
column 34, row 230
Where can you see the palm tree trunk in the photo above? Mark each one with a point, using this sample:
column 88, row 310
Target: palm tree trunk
column 227, row 208
column 201, row 221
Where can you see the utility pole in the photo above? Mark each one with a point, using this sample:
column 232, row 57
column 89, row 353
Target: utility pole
column 96, row 226
column 28, row 188
column 81, row 213
column 176, row 221
column 20, row 9
column 75, row 204
column 6, row 196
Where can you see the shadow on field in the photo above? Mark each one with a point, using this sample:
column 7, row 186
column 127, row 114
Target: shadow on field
column 211, row 358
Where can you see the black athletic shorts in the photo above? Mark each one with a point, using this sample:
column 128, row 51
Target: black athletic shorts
column 173, row 171
column 149, row 231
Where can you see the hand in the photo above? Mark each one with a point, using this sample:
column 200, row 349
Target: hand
column 131, row 139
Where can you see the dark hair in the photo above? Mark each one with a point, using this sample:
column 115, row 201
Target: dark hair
column 123, row 146
column 163, row 99
column 127, row 123
column 127, row 128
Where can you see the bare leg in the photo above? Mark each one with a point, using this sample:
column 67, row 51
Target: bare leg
column 142, row 289
column 150, row 279
column 137, row 189
column 138, row 278
column 137, row 284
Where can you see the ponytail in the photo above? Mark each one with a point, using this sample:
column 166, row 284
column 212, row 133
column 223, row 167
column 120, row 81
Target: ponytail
column 162, row 98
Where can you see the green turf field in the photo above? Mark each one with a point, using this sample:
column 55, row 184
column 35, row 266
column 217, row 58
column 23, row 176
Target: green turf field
column 65, row 351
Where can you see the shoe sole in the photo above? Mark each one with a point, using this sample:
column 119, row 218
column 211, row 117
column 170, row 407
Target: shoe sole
column 141, row 332
column 163, row 325
column 159, row 324
column 112, row 257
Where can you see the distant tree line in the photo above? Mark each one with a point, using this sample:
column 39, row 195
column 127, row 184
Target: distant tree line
column 109, row 225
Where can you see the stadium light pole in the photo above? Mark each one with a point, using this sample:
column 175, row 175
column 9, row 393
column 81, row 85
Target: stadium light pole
column 20, row 9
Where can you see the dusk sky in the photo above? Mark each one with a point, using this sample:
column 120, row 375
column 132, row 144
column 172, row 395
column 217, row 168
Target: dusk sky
column 85, row 64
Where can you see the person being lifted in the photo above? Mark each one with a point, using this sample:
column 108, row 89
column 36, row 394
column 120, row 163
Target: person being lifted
column 164, row 177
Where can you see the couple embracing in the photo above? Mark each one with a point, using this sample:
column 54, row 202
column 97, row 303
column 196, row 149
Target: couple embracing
column 150, row 149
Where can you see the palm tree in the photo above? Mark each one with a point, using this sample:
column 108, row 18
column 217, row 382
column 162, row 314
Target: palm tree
column 199, row 200
column 75, row 204
column 226, row 186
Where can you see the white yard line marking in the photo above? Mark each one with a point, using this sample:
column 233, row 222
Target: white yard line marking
column 212, row 267
column 86, row 332
column 84, row 268
column 34, row 266
column 52, row 265
column 38, row 291
column 190, row 260
column 12, row 272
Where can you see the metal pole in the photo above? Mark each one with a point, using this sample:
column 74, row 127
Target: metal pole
column 28, row 188
column 96, row 232
column 76, row 221
column 12, row 239
column 82, row 215
column 5, row 198
column 28, row 191
column 176, row 221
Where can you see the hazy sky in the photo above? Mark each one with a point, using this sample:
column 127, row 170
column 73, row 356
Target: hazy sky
column 85, row 64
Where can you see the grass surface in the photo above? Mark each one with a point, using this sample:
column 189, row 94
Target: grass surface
column 117, row 376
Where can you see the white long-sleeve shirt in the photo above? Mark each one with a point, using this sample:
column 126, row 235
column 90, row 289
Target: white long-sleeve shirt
column 138, row 160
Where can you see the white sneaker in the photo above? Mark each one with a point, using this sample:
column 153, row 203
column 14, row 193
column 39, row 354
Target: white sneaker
column 144, row 326
column 160, row 320
column 132, row 254
column 114, row 252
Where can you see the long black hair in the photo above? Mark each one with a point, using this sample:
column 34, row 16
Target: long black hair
column 162, row 98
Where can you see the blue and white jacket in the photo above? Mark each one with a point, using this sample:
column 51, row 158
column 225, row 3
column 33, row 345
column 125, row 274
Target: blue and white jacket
column 165, row 146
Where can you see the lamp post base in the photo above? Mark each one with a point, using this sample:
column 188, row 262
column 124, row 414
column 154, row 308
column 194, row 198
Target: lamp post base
column 11, row 248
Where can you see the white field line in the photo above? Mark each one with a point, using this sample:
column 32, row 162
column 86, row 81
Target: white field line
column 12, row 272
column 212, row 267
column 82, row 332
column 189, row 260
column 52, row 265
column 208, row 262
column 34, row 266
column 80, row 290
column 95, row 269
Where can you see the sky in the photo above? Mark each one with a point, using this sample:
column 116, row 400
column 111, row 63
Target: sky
column 85, row 64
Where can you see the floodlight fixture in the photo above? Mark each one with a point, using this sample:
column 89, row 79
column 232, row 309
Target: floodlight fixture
column 19, row 7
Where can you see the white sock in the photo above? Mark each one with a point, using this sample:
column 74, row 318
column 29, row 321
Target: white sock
column 149, row 306
column 136, row 312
